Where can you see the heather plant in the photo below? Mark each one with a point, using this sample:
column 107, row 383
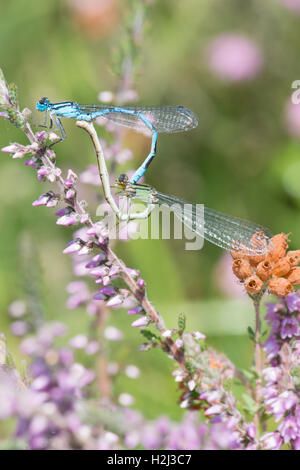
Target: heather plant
column 58, row 402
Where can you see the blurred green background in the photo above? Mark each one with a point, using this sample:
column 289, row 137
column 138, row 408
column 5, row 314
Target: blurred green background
column 243, row 159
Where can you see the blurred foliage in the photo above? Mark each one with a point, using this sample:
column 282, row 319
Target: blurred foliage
column 240, row 160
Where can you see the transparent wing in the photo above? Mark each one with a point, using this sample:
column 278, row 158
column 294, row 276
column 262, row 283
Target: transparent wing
column 167, row 119
column 229, row 233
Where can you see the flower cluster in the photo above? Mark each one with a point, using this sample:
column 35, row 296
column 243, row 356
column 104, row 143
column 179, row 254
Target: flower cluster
column 54, row 411
column 281, row 389
column 205, row 383
column 276, row 270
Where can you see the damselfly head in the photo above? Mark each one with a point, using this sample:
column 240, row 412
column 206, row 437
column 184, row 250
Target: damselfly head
column 122, row 181
column 43, row 104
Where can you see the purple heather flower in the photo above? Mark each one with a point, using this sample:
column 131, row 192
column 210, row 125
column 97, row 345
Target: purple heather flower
column 106, row 96
column 50, row 331
column 43, row 171
column 293, row 303
column 73, row 246
column 86, row 249
column 234, row 57
column 135, row 311
column 178, row 343
column 30, row 346
column 289, row 327
column 99, row 296
column 90, row 176
column 141, row 283
column 32, row 162
column 150, row 438
column 38, row 424
column 251, row 430
column 223, row 438
column 271, row 346
column 272, row 374
column 125, row 399
column 19, row 328
column 11, row 148
column 214, row 410
column 41, row 383
column 69, row 183
column 83, row 219
column 211, row 396
column 108, row 291
column 132, row 371
column 67, row 220
column 99, row 271
column 66, row 357
column 140, row 322
column 115, row 301
column 114, row 270
column 198, row 335
column 95, row 262
column 280, row 404
column 113, row 334
column 92, row 348
column 288, row 428
column 77, row 299
column 17, row 309
column 70, row 194
column 79, row 341
column 38, row 443
column 41, row 135
column 297, row 444
column 191, row 385
column 271, row 441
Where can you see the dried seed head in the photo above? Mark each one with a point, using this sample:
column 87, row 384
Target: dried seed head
column 241, row 268
column 264, row 270
column 294, row 276
column 279, row 246
column 293, row 257
column 280, row 286
column 253, row 285
column 282, row 267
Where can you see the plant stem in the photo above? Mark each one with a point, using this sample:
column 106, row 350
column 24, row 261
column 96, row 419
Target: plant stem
column 258, row 362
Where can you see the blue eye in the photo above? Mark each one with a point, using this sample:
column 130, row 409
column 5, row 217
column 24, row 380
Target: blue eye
column 42, row 104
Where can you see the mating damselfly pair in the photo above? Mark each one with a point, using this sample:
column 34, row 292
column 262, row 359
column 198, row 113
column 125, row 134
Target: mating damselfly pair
column 222, row 230
column 227, row 232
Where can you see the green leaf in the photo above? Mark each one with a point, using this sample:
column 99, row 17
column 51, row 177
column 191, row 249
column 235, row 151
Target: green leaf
column 251, row 333
column 181, row 322
column 248, row 374
column 250, row 403
column 189, row 366
column 13, row 94
column 150, row 335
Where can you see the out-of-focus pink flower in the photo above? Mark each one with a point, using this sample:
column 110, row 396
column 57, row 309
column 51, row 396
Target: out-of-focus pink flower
column 292, row 118
column 293, row 5
column 113, row 334
column 234, row 57
column 95, row 17
column 125, row 399
column 225, row 280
